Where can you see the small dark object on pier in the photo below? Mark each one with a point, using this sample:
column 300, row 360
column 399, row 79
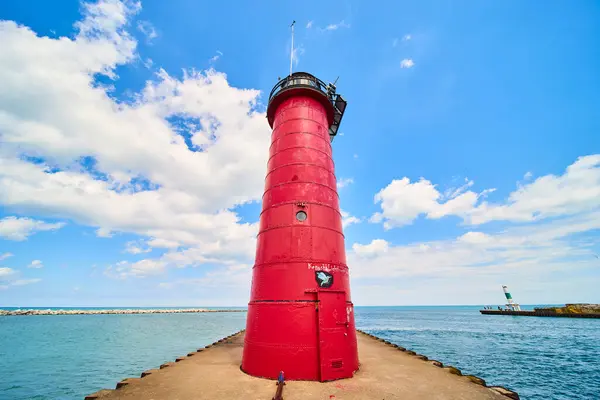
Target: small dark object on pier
column 280, row 383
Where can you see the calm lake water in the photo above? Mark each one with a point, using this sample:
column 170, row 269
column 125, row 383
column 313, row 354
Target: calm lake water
column 67, row 357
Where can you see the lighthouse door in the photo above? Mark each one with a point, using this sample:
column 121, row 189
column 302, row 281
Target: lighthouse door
column 333, row 334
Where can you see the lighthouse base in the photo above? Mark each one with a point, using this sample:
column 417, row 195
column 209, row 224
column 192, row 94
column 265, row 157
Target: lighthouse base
column 309, row 340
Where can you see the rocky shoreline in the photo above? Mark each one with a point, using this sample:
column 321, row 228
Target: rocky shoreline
column 110, row 311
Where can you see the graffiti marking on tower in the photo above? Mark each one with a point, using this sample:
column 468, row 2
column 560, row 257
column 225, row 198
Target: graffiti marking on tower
column 325, row 267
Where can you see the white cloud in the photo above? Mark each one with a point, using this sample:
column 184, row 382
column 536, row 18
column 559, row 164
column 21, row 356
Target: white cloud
column 407, row 63
column 298, row 51
column 215, row 254
column 152, row 182
column 395, row 42
column 334, row 27
column 528, row 175
column 348, row 219
column 453, row 192
column 22, row 282
column 309, row 24
column 406, row 37
column 216, row 57
column 104, row 233
column 147, row 29
column 163, row 243
column 18, row 229
column 343, row 182
column 471, row 268
column 402, row 202
column 377, row 246
column 232, row 281
column 562, row 212
column 9, row 277
column 5, row 256
column 142, row 268
column 576, row 191
column 235, row 275
column 35, row 264
column 6, row 272
column 134, row 247
column 475, row 238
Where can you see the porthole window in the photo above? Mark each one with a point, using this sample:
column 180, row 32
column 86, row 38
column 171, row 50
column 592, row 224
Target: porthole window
column 301, row 216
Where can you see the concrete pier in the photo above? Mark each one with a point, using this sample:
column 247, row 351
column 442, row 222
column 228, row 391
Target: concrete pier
column 386, row 371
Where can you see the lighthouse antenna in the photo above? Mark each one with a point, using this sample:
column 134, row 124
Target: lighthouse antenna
column 292, row 49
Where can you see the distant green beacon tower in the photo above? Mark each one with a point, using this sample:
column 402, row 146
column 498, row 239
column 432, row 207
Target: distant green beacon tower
column 511, row 303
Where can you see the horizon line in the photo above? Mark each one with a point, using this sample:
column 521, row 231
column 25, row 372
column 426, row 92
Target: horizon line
column 245, row 306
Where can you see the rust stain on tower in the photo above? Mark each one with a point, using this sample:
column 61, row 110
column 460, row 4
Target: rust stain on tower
column 300, row 315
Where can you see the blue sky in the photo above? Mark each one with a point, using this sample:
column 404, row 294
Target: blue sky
column 133, row 148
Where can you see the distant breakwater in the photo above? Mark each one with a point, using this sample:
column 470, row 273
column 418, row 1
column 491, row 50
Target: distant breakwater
column 540, row 313
column 110, row 311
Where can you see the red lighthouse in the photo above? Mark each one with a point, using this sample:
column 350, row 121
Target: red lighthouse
column 300, row 315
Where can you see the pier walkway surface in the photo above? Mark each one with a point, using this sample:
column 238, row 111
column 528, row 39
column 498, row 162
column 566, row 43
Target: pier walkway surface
column 386, row 372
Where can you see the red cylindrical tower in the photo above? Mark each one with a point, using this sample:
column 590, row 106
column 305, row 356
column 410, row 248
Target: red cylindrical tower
column 300, row 316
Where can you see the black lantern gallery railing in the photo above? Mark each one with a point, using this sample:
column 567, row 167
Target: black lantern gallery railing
column 306, row 80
